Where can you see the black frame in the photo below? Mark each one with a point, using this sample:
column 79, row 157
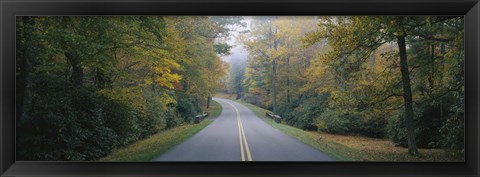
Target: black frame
column 11, row 8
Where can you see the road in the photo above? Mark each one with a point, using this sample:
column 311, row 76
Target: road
column 239, row 135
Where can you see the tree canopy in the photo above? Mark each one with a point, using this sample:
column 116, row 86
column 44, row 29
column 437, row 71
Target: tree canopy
column 396, row 77
column 89, row 84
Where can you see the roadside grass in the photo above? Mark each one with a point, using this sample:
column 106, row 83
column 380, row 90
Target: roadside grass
column 306, row 137
column 215, row 109
column 157, row 144
column 355, row 148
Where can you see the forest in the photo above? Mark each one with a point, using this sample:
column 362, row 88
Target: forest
column 392, row 77
column 89, row 84
column 86, row 85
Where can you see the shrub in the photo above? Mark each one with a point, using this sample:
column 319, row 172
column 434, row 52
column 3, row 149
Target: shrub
column 301, row 113
column 354, row 123
column 453, row 129
column 187, row 107
column 436, row 126
column 64, row 124
column 123, row 120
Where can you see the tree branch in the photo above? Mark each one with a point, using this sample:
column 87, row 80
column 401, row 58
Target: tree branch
column 434, row 98
column 428, row 37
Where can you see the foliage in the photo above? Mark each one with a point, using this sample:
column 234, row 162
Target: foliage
column 379, row 76
column 350, row 124
column 66, row 125
column 91, row 84
column 303, row 116
column 356, row 148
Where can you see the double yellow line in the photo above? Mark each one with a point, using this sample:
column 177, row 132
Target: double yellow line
column 243, row 139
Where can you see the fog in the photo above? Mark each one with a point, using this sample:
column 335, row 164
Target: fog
column 238, row 53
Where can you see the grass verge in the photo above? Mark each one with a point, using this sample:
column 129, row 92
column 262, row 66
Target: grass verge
column 354, row 148
column 215, row 109
column 155, row 145
column 306, row 137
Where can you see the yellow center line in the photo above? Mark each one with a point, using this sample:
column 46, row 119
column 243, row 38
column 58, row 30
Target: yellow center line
column 249, row 156
column 241, row 133
column 241, row 142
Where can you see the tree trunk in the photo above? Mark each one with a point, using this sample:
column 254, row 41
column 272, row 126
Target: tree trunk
column 208, row 101
column 273, row 44
column 77, row 69
column 407, row 95
column 26, row 64
column 288, row 80
column 431, row 78
column 442, row 62
column 274, row 89
column 100, row 79
column 372, row 65
column 440, row 78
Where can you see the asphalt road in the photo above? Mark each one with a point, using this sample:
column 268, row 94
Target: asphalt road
column 239, row 135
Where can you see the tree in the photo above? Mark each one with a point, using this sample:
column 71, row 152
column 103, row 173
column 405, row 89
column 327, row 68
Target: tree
column 262, row 41
column 366, row 35
column 278, row 56
column 91, row 84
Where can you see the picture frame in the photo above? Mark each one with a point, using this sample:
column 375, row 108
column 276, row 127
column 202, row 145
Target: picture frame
column 12, row 8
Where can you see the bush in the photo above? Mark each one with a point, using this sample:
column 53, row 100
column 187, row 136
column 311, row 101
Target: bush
column 187, row 107
column 433, row 129
column 332, row 122
column 351, row 123
column 152, row 120
column 453, row 129
column 64, row 124
column 396, row 130
column 256, row 99
column 123, row 120
column 452, row 133
column 301, row 113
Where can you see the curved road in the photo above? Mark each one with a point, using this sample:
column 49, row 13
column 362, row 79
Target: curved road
column 239, row 135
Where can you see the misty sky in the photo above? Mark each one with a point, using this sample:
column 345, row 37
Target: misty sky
column 238, row 52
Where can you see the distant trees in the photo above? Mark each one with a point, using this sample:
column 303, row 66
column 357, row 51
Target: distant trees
column 394, row 77
column 89, row 84
column 236, row 75
column 277, row 61
column 228, row 27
